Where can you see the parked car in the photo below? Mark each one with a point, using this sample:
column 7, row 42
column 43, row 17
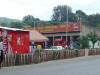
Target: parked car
column 55, row 48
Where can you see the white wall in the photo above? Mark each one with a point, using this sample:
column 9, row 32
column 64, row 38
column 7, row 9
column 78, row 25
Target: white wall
column 97, row 44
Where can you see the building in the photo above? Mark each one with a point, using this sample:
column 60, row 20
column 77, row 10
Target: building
column 87, row 29
column 60, row 34
column 14, row 40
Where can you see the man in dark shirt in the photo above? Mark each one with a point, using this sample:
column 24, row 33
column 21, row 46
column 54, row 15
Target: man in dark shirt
column 1, row 57
column 1, row 51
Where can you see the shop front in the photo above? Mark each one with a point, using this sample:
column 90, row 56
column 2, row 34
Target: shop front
column 65, row 34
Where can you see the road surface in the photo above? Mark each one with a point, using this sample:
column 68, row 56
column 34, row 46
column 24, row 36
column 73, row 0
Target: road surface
column 77, row 66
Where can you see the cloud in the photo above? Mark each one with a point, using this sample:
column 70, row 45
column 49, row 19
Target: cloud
column 84, row 2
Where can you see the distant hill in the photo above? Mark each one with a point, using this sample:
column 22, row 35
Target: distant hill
column 7, row 20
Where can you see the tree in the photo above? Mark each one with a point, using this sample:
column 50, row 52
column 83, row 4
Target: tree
column 81, row 13
column 94, row 20
column 83, row 42
column 93, row 37
column 81, row 16
column 60, row 13
column 55, row 22
column 4, row 24
column 16, row 25
column 29, row 20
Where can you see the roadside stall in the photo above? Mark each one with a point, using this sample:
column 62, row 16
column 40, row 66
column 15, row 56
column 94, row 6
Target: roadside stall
column 38, row 38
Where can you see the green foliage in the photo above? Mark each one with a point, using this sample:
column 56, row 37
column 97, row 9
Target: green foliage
column 98, row 26
column 60, row 14
column 30, row 20
column 81, row 16
column 4, row 24
column 83, row 42
column 80, row 13
column 16, row 25
column 93, row 20
column 93, row 37
column 55, row 22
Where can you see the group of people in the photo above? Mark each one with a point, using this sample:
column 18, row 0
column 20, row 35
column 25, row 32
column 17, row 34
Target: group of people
column 35, row 47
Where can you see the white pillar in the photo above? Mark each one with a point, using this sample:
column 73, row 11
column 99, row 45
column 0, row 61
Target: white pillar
column 66, row 39
column 45, row 44
column 71, row 41
column 61, row 37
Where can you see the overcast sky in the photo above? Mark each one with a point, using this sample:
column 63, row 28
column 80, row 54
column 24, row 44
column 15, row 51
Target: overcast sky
column 43, row 9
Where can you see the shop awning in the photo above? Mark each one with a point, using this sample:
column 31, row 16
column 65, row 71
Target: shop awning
column 37, row 37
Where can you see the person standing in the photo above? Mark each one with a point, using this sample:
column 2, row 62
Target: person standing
column 1, row 51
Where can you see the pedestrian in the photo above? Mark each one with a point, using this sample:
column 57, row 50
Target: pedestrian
column 1, row 57
column 1, row 51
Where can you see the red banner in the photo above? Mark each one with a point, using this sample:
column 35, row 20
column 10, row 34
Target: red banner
column 58, row 28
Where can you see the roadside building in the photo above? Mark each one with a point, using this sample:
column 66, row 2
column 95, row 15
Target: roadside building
column 60, row 34
column 14, row 40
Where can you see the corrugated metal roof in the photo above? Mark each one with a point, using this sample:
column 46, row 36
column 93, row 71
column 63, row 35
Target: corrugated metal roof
column 13, row 29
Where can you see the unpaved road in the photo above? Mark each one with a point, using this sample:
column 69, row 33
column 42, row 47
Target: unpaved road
column 77, row 66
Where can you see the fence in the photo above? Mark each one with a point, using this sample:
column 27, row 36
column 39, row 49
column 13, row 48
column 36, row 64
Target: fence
column 22, row 59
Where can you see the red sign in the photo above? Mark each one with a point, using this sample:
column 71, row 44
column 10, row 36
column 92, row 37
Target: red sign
column 58, row 28
column 57, row 39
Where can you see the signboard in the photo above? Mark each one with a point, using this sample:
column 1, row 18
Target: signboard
column 3, row 35
column 58, row 28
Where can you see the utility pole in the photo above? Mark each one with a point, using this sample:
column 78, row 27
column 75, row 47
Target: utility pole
column 34, row 25
column 79, row 20
column 80, row 27
column 35, row 22
column 67, row 24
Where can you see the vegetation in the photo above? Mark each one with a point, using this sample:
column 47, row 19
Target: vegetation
column 62, row 12
column 59, row 16
column 93, row 38
column 16, row 25
column 83, row 42
column 30, row 20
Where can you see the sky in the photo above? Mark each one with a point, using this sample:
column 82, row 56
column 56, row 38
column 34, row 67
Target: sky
column 43, row 9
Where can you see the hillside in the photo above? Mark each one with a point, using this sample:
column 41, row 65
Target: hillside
column 7, row 20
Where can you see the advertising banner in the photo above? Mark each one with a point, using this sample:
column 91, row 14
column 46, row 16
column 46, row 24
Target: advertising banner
column 58, row 28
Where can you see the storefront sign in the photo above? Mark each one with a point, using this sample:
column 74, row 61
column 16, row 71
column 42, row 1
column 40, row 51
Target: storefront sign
column 58, row 28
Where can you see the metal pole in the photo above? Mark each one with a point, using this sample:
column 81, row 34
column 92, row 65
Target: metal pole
column 53, row 40
column 34, row 25
column 66, row 25
column 80, row 27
